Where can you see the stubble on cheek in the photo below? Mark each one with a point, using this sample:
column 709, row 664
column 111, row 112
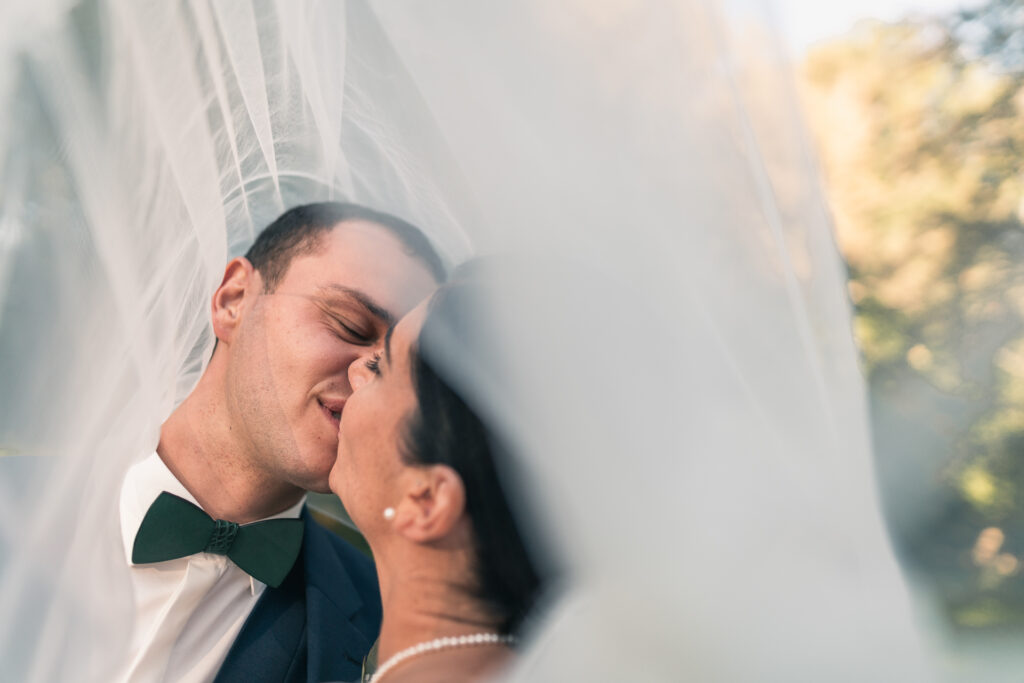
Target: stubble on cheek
column 265, row 395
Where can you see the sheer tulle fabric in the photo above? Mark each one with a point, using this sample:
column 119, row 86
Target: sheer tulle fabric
column 676, row 372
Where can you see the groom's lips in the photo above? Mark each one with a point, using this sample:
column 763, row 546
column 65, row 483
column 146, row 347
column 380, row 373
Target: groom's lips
column 332, row 408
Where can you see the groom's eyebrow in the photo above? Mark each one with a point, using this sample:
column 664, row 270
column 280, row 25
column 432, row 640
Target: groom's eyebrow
column 363, row 299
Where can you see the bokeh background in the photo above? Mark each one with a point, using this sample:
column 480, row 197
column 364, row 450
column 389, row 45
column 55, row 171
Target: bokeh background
column 917, row 112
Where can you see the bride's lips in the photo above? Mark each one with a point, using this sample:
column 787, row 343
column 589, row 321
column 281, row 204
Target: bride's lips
column 332, row 408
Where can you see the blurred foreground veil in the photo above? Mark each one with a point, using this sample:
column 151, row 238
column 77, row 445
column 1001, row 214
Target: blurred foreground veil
column 677, row 370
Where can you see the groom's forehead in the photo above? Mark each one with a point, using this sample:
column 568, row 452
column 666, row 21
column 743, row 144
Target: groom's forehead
column 359, row 264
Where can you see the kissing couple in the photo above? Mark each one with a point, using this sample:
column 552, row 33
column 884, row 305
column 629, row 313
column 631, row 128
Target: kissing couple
column 321, row 380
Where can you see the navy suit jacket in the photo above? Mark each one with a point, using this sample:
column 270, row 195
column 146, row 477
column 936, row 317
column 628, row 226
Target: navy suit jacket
column 317, row 625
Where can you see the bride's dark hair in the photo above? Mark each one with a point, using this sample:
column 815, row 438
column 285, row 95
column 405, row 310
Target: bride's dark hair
column 446, row 430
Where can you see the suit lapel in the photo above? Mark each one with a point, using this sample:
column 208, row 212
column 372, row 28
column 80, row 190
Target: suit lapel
column 303, row 630
column 271, row 645
column 335, row 646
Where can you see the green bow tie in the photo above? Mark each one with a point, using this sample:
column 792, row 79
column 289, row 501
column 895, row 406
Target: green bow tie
column 174, row 527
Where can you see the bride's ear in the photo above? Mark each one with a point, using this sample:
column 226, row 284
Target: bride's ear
column 226, row 306
column 433, row 505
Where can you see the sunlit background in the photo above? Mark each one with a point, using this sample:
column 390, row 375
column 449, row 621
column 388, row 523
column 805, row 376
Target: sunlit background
column 916, row 109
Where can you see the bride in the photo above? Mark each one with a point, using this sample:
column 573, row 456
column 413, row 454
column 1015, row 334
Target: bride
column 701, row 453
column 418, row 471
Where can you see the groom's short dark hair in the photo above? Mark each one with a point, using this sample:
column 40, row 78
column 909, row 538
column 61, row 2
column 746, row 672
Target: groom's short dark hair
column 298, row 231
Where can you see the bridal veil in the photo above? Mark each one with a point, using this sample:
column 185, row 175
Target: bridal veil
column 680, row 374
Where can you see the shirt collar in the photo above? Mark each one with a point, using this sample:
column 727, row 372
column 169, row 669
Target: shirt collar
column 146, row 480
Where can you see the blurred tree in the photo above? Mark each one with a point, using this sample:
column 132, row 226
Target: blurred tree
column 994, row 32
column 921, row 133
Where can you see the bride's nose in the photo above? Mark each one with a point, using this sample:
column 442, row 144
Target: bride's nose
column 358, row 373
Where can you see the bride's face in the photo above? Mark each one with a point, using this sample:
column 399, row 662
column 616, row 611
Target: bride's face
column 369, row 466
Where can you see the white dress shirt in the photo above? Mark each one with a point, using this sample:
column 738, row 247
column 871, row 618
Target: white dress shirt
column 187, row 611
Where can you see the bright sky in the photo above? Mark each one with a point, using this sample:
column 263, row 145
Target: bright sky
column 805, row 22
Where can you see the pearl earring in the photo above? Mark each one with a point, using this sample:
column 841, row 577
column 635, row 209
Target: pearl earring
column 389, row 513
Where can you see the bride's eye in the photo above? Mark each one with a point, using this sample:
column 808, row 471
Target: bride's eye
column 373, row 365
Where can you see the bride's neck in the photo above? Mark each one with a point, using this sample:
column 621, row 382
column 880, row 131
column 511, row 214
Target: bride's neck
column 423, row 600
column 198, row 449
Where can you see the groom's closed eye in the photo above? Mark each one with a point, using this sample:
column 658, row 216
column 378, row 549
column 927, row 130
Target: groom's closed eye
column 349, row 296
column 349, row 322
column 354, row 315
column 350, row 331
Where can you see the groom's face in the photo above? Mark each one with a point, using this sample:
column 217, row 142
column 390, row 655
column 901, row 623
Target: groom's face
column 287, row 379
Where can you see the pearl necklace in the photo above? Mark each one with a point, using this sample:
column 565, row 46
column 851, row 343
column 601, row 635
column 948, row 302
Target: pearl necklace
column 445, row 643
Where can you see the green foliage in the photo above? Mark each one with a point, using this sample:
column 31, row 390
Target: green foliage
column 920, row 126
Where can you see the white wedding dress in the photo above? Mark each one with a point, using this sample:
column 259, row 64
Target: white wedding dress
column 696, row 441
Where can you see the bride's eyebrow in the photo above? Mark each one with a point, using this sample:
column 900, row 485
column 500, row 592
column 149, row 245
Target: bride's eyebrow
column 387, row 344
column 333, row 291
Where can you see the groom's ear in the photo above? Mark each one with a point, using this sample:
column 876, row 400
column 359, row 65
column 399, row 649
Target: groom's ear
column 240, row 279
column 432, row 506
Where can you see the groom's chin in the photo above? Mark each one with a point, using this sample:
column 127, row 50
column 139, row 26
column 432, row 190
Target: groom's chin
column 313, row 481
column 321, row 487
column 318, row 483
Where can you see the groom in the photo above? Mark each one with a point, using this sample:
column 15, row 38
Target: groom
column 313, row 295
